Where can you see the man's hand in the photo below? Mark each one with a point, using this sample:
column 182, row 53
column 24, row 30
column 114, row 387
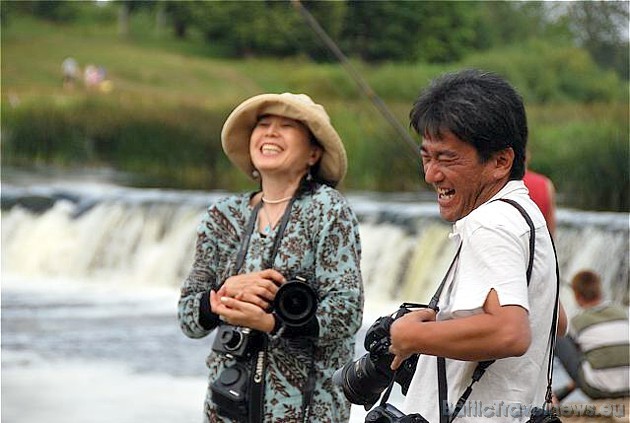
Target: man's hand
column 399, row 347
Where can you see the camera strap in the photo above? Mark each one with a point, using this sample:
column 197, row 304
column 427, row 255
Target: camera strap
column 249, row 230
column 257, row 384
column 309, row 389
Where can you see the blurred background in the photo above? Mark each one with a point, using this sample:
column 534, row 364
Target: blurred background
column 111, row 114
column 156, row 79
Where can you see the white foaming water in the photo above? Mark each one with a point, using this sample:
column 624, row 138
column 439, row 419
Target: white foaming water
column 90, row 285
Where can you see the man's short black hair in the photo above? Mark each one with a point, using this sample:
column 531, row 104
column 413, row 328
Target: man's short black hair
column 478, row 107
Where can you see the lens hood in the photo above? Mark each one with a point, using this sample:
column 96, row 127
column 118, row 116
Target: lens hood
column 295, row 303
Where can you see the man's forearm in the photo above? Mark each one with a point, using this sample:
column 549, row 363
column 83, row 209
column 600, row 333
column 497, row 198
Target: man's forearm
column 475, row 338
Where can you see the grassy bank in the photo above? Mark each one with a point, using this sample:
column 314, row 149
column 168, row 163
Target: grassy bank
column 162, row 118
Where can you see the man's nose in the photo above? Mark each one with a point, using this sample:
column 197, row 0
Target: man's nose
column 432, row 173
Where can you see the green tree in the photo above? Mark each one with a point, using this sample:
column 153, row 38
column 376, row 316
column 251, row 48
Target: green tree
column 59, row 11
column 261, row 28
column 601, row 27
column 376, row 31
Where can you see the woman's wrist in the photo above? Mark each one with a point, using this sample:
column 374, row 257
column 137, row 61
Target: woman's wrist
column 276, row 324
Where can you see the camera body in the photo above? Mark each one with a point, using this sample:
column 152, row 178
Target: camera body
column 230, row 392
column 364, row 380
column 542, row 415
column 387, row 413
column 237, row 342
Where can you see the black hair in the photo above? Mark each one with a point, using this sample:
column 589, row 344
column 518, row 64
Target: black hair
column 478, row 107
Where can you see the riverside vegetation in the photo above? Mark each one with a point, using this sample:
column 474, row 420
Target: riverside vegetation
column 162, row 120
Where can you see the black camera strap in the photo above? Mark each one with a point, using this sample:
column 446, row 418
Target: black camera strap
column 257, row 384
column 249, row 230
column 309, row 390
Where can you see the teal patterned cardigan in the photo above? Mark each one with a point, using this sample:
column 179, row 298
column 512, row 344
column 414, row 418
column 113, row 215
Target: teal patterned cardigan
column 322, row 244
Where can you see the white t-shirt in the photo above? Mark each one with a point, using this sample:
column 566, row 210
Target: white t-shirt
column 494, row 255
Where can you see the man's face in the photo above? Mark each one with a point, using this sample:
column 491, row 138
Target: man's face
column 461, row 181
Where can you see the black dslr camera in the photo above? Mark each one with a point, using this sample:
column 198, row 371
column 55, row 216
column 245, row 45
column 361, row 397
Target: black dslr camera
column 543, row 415
column 295, row 304
column 387, row 413
column 230, row 392
column 364, row 380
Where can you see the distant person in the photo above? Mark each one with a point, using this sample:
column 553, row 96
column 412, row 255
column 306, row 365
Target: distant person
column 251, row 245
column 596, row 353
column 70, row 71
column 543, row 192
column 91, row 76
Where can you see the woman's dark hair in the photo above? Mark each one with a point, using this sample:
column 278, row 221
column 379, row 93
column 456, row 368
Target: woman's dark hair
column 315, row 178
column 479, row 108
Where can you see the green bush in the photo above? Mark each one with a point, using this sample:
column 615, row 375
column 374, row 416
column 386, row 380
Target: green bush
column 175, row 147
column 551, row 73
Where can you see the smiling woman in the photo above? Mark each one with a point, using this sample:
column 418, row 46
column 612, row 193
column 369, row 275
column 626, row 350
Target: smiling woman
column 265, row 367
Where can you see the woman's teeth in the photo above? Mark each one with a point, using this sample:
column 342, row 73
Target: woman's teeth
column 270, row 148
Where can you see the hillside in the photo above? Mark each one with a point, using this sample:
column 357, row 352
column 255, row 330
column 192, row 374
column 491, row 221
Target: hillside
column 162, row 117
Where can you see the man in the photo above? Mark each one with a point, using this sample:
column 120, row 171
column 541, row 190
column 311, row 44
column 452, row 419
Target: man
column 474, row 133
column 596, row 355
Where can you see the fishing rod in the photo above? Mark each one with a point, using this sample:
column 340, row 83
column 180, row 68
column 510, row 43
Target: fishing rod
column 410, row 143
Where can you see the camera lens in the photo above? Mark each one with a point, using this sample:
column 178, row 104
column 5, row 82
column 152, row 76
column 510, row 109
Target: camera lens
column 231, row 339
column 364, row 380
column 295, row 303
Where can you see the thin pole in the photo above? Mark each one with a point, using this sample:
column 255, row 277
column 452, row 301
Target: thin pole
column 363, row 85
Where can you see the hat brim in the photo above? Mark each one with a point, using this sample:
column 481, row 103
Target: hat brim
column 239, row 125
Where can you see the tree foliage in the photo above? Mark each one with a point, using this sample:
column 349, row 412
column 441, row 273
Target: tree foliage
column 377, row 31
column 601, row 27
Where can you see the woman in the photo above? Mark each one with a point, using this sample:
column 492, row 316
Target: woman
column 295, row 227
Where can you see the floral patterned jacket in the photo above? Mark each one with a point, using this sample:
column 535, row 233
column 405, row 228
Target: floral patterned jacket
column 321, row 243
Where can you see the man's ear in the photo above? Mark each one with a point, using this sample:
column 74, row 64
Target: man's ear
column 503, row 160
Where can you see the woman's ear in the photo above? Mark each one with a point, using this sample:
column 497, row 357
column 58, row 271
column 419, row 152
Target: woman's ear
column 316, row 154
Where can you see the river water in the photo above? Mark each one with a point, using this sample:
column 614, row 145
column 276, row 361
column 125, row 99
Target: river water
column 78, row 353
column 90, row 287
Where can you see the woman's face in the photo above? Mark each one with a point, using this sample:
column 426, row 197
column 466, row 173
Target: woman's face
column 280, row 145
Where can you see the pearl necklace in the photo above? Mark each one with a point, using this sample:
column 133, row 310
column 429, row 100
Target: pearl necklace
column 281, row 200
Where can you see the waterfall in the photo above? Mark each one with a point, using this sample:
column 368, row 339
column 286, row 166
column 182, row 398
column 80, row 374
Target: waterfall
column 146, row 237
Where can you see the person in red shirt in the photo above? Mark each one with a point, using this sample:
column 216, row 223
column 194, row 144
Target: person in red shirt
column 543, row 193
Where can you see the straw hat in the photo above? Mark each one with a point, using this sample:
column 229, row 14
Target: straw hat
column 239, row 125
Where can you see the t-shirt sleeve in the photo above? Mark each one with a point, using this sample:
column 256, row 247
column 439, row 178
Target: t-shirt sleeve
column 491, row 258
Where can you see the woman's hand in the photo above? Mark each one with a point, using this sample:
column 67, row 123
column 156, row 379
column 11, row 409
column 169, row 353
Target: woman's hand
column 257, row 288
column 400, row 330
column 240, row 313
